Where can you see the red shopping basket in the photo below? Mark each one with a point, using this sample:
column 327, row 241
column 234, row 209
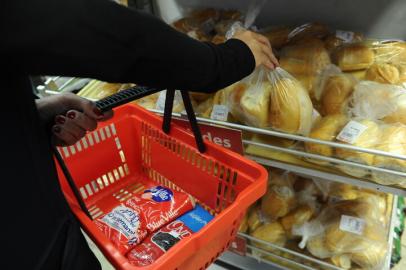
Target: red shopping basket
column 108, row 164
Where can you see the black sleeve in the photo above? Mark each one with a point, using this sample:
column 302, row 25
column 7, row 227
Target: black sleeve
column 101, row 39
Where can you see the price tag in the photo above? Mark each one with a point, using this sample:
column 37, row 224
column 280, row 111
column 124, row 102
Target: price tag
column 160, row 103
column 239, row 246
column 347, row 36
column 219, row 113
column 351, row 132
column 352, row 224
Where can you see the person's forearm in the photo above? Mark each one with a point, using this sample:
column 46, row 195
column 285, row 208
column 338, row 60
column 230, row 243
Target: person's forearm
column 100, row 39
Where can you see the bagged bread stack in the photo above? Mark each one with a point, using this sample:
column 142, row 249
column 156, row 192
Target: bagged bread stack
column 379, row 101
column 336, row 90
column 355, row 56
column 305, row 62
column 326, row 129
column 290, row 107
column 361, row 133
column 393, row 141
column 348, row 234
column 271, row 99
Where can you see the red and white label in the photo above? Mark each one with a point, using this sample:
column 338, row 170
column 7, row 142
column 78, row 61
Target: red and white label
column 226, row 137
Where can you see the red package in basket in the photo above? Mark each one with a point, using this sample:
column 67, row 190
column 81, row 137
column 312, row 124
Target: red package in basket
column 123, row 226
column 160, row 205
column 157, row 244
column 127, row 225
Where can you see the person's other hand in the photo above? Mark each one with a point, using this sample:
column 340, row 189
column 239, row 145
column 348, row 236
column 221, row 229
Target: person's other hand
column 70, row 117
column 260, row 47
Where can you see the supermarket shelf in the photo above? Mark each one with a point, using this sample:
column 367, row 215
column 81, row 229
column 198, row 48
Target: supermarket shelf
column 248, row 262
column 257, row 258
column 328, row 176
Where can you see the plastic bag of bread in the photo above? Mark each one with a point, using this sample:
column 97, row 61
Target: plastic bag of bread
column 334, row 90
column 326, row 129
column 280, row 198
column 346, row 228
column 355, row 56
column 297, row 217
column 249, row 99
column 290, row 106
column 99, row 90
column 393, row 52
column 273, row 233
column 393, row 140
column 383, row 73
column 361, row 133
column 255, row 218
column 309, row 30
column 339, row 38
column 148, row 102
column 379, row 101
column 178, row 106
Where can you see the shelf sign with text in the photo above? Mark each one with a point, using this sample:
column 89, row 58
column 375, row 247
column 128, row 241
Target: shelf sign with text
column 223, row 136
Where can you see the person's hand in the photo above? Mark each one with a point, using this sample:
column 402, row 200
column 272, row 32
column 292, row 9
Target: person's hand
column 70, row 117
column 260, row 47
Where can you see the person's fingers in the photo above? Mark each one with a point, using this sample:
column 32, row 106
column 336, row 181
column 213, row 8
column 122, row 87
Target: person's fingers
column 69, row 126
column 86, row 106
column 269, row 65
column 82, row 120
column 106, row 116
column 62, row 137
column 268, row 52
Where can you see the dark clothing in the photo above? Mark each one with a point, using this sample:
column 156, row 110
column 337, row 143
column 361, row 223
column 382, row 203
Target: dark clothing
column 84, row 38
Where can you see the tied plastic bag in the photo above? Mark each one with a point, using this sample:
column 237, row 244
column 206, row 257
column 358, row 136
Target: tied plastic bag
column 290, row 107
column 271, row 99
column 378, row 101
column 145, row 212
column 346, row 228
column 280, row 197
column 390, row 51
column 393, row 140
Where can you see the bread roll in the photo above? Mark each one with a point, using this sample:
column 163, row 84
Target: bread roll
column 271, row 140
column 399, row 113
column 204, row 109
column 254, row 219
column 402, row 73
column 317, row 247
column 278, row 36
column 291, row 108
column 104, row 90
column 278, row 201
column 367, row 139
column 148, row 102
column 343, row 261
column 315, row 30
column 304, row 59
column 353, row 57
column 342, row 192
column 255, row 105
column 326, row 129
column 244, row 224
column 372, row 257
column 273, row 233
column 297, row 217
column 199, row 97
column 358, row 74
column 393, row 140
column 337, row 39
column 308, row 82
column 383, row 73
column 390, row 52
column 336, row 91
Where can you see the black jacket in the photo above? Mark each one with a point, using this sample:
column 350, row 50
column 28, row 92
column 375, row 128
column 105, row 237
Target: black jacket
column 84, row 38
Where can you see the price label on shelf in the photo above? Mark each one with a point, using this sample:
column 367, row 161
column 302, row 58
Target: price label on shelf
column 239, row 246
column 346, row 36
column 352, row 224
column 219, row 113
column 351, row 132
